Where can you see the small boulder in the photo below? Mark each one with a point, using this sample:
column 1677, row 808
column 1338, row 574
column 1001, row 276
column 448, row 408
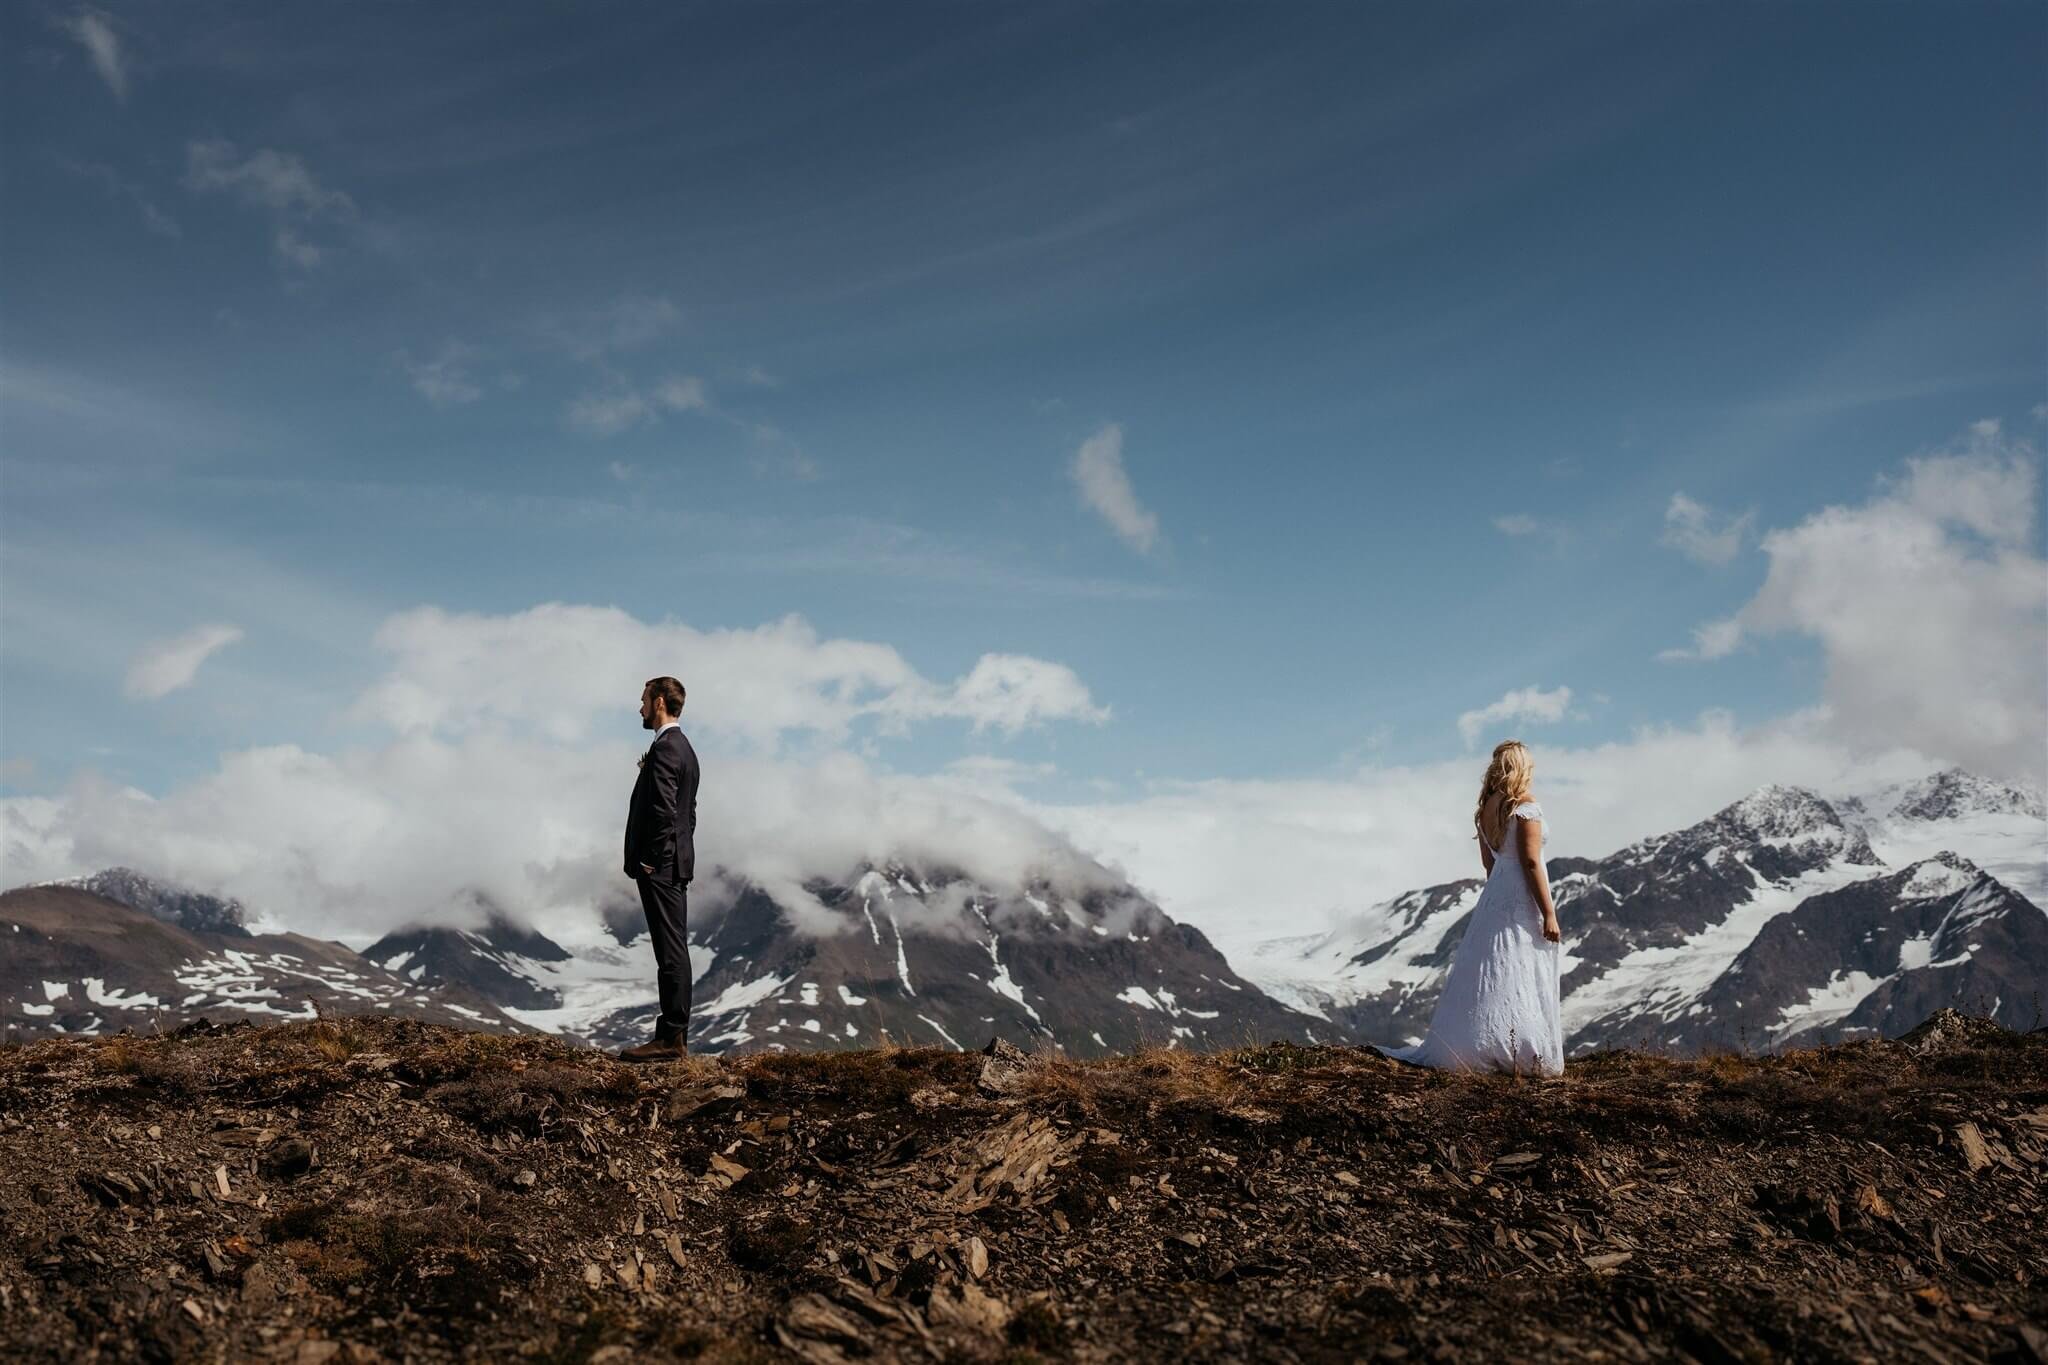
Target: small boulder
column 288, row 1159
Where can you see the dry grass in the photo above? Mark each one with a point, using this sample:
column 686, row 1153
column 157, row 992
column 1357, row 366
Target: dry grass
column 1149, row 1078
column 338, row 1041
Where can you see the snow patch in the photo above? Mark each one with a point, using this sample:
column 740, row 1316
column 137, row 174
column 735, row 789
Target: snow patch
column 1823, row 1005
column 941, row 1032
column 1932, row 880
column 744, row 994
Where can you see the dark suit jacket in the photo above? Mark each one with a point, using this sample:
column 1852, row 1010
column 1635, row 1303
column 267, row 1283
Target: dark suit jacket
column 661, row 824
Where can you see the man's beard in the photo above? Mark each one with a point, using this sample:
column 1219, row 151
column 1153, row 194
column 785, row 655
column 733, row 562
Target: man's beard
column 647, row 722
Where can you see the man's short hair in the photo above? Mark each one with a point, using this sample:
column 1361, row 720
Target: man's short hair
column 670, row 692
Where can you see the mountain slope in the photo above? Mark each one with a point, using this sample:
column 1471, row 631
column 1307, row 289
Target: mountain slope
column 1886, row 953
column 501, row 961
column 76, row 962
column 182, row 906
column 936, row 957
column 1775, row 920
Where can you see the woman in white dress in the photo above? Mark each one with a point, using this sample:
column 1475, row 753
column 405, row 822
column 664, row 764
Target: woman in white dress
column 1499, row 1007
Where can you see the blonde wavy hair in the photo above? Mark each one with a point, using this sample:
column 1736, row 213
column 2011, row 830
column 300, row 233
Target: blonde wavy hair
column 1507, row 785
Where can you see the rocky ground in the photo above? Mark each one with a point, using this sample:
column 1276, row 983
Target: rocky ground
column 389, row 1190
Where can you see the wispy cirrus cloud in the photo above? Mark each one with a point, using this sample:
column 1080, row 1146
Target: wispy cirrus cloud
column 445, row 380
column 163, row 666
column 627, row 323
column 94, row 31
column 278, row 183
column 621, row 407
column 1523, row 526
column 1105, row 488
column 1703, row 535
column 118, row 186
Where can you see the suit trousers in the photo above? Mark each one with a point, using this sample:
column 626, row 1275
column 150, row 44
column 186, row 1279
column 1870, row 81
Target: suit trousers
column 665, row 900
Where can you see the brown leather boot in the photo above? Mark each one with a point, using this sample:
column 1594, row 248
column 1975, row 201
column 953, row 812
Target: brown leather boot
column 655, row 1050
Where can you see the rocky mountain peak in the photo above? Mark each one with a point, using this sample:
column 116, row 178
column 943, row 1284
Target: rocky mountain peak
column 188, row 909
column 1779, row 813
column 1955, row 793
column 1943, row 875
column 1792, row 822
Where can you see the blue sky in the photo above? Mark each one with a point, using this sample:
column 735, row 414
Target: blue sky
column 1410, row 321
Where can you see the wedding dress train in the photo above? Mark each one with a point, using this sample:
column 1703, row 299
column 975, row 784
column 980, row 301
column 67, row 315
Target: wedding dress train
column 1499, row 1007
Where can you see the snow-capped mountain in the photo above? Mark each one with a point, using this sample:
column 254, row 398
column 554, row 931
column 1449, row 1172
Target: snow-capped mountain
column 1785, row 917
column 75, row 961
column 917, row 956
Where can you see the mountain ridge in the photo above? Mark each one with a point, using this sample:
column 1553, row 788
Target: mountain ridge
column 1651, row 928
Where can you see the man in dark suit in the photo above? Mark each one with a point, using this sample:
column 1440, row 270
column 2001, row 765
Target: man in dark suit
column 661, row 855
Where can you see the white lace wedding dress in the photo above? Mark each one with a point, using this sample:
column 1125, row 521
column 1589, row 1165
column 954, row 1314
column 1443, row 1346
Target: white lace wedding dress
column 1499, row 1007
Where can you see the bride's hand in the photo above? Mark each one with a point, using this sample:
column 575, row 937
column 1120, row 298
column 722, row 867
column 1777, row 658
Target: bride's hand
column 1550, row 929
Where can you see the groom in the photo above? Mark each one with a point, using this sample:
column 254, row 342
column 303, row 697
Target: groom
column 661, row 855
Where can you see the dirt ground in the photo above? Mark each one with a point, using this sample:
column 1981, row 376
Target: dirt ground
column 377, row 1190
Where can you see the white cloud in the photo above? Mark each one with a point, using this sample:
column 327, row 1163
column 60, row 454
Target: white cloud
column 1530, row 705
column 577, row 668
column 682, row 393
column 1930, row 606
column 164, row 666
column 775, row 451
column 1246, row 860
column 610, row 412
column 625, row 324
column 444, row 381
column 1098, row 471
column 367, row 839
column 276, row 182
column 607, row 412
column 1522, row 525
column 1697, row 532
column 364, row 841
column 94, row 30
column 295, row 251
column 1713, row 640
column 266, row 178
column 511, row 758
column 1007, row 692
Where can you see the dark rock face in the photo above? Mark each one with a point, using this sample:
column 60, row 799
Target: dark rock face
column 75, row 962
column 930, row 957
column 486, row 961
column 193, row 910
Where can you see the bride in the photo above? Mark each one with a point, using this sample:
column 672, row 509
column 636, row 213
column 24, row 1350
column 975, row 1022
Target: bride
column 1499, row 1007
